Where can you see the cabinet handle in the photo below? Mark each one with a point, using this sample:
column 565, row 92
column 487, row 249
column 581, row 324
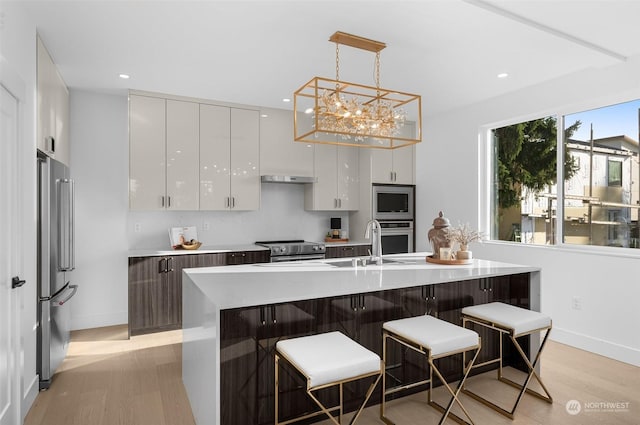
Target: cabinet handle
column 162, row 268
column 347, row 248
column 340, row 202
column 168, row 201
column 263, row 319
column 170, row 264
column 50, row 144
column 162, row 201
column 227, row 202
column 233, row 202
column 273, row 314
column 362, row 306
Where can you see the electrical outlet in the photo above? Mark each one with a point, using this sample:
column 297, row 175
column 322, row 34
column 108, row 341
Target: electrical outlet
column 137, row 227
column 576, row 303
column 205, row 225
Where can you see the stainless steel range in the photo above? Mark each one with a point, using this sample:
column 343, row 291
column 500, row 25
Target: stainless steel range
column 294, row 250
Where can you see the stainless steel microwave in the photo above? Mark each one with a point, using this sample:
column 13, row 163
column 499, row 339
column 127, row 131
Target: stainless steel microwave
column 393, row 202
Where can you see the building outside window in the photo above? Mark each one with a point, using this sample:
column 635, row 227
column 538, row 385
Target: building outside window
column 601, row 179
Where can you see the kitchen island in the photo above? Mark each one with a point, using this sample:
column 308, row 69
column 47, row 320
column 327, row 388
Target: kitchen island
column 233, row 316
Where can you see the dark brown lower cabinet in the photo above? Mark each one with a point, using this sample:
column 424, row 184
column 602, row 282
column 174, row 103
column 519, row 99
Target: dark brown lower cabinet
column 249, row 335
column 155, row 286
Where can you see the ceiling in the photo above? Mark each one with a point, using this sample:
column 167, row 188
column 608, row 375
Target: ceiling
column 259, row 52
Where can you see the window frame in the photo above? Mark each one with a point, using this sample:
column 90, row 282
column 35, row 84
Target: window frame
column 486, row 166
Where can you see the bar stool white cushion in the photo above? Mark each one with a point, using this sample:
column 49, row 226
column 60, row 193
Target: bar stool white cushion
column 520, row 320
column 328, row 357
column 438, row 336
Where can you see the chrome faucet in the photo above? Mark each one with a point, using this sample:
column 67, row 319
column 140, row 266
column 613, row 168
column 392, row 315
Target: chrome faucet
column 374, row 231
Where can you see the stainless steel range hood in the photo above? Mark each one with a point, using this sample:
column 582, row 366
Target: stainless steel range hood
column 287, row 179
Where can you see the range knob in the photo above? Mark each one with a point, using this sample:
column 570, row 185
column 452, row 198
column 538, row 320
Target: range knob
column 316, row 247
column 283, row 249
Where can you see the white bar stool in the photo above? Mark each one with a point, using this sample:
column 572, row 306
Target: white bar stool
column 326, row 360
column 435, row 339
column 515, row 322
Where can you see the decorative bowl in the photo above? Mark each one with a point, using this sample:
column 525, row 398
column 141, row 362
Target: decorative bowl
column 194, row 245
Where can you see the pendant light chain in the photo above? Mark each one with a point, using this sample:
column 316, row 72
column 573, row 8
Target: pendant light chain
column 337, row 66
column 378, row 74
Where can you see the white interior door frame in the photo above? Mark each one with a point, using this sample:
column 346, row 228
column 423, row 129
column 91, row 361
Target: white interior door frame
column 12, row 92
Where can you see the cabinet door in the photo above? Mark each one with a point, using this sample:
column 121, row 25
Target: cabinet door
column 245, row 157
column 322, row 194
column 146, row 279
column 404, row 165
column 61, row 135
column 348, row 178
column 215, row 133
column 182, row 155
column 381, row 165
column 147, row 164
column 46, row 112
column 279, row 154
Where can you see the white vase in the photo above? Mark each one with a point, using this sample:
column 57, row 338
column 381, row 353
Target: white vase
column 464, row 255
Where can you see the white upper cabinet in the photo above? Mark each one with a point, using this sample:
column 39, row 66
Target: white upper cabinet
column 229, row 158
column 395, row 166
column 163, row 154
column 147, row 153
column 215, row 157
column 53, row 108
column 245, row 159
column 279, row 154
column 337, row 188
column 182, row 155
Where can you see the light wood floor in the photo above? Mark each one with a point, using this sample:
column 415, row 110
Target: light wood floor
column 108, row 379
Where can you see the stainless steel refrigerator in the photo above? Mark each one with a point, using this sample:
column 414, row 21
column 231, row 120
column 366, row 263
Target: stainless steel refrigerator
column 55, row 262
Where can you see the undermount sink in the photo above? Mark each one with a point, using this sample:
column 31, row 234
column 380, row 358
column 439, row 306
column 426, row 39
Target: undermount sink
column 368, row 262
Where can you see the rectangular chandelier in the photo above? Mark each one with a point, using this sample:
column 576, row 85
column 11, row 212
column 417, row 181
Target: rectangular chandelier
column 330, row 111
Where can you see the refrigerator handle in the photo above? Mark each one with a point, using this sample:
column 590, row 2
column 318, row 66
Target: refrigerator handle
column 58, row 303
column 66, row 221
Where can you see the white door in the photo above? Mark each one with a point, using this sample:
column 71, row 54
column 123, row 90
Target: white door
column 9, row 313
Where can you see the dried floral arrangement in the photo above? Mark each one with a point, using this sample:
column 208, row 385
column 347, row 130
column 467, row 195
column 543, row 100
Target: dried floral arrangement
column 463, row 235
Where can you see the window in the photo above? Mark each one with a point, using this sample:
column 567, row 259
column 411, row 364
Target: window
column 601, row 196
column 614, row 174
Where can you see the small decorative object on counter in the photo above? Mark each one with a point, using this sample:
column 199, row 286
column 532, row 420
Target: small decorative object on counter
column 438, row 235
column 184, row 237
column 463, row 235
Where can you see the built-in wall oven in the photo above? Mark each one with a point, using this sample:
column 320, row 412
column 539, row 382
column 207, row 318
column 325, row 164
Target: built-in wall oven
column 393, row 206
column 397, row 237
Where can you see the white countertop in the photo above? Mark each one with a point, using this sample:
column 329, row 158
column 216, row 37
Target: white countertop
column 269, row 283
column 205, row 249
column 348, row 243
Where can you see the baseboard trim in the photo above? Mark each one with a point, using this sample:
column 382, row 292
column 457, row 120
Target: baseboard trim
column 598, row 346
column 99, row 320
column 29, row 396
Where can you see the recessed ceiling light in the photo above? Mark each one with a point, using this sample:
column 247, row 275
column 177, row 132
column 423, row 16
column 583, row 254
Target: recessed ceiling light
column 124, row 76
column 286, row 99
column 503, row 75
column 264, row 116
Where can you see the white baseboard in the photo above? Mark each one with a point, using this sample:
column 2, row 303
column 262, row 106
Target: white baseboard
column 99, row 320
column 29, row 396
column 598, row 346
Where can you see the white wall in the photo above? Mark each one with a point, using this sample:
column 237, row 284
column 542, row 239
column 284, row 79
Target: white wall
column 18, row 56
column 450, row 179
column 105, row 228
